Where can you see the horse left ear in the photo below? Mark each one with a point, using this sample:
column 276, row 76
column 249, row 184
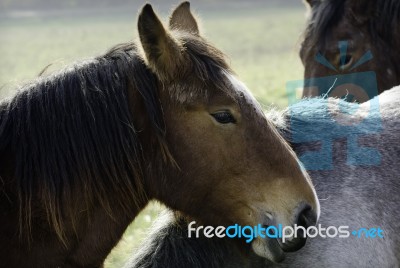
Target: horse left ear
column 183, row 19
column 163, row 52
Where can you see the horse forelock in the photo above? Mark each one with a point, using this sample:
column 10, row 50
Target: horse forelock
column 72, row 133
column 203, row 70
column 324, row 15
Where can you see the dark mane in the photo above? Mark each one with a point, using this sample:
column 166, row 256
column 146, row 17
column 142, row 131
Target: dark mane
column 382, row 18
column 72, row 132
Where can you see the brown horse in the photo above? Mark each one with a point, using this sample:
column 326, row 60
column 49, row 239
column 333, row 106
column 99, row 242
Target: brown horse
column 371, row 31
column 82, row 151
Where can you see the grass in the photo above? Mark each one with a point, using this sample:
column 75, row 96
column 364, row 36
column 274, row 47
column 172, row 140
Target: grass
column 261, row 44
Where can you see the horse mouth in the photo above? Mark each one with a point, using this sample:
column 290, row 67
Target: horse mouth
column 274, row 249
column 278, row 249
column 269, row 248
column 293, row 245
column 296, row 237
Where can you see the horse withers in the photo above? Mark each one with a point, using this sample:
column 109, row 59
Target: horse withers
column 83, row 150
column 352, row 37
column 362, row 197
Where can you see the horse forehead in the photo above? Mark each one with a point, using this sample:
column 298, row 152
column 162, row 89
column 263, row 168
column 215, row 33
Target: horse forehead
column 244, row 93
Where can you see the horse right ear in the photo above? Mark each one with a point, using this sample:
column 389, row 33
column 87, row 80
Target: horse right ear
column 183, row 19
column 162, row 51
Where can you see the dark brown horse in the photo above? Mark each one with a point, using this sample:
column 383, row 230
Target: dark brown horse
column 82, row 151
column 370, row 30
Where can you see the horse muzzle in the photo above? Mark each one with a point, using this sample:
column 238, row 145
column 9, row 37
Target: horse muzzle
column 276, row 245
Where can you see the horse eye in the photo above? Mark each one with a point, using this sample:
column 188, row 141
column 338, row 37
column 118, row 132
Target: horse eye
column 224, row 117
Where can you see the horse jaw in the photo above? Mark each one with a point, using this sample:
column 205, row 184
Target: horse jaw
column 268, row 249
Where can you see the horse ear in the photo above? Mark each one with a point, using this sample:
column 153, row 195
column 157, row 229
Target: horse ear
column 183, row 19
column 311, row 3
column 162, row 51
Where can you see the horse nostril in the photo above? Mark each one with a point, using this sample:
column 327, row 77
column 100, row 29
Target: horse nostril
column 306, row 216
column 345, row 62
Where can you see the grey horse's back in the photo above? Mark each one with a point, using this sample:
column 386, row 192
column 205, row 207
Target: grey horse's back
column 360, row 197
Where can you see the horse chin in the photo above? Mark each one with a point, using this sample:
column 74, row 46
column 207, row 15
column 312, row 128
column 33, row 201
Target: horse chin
column 268, row 249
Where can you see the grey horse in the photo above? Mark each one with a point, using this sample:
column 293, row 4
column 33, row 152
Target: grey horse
column 357, row 178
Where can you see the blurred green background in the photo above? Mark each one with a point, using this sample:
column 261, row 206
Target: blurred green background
column 260, row 38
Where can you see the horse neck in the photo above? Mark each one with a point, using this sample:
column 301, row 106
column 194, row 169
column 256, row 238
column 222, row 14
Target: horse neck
column 90, row 140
